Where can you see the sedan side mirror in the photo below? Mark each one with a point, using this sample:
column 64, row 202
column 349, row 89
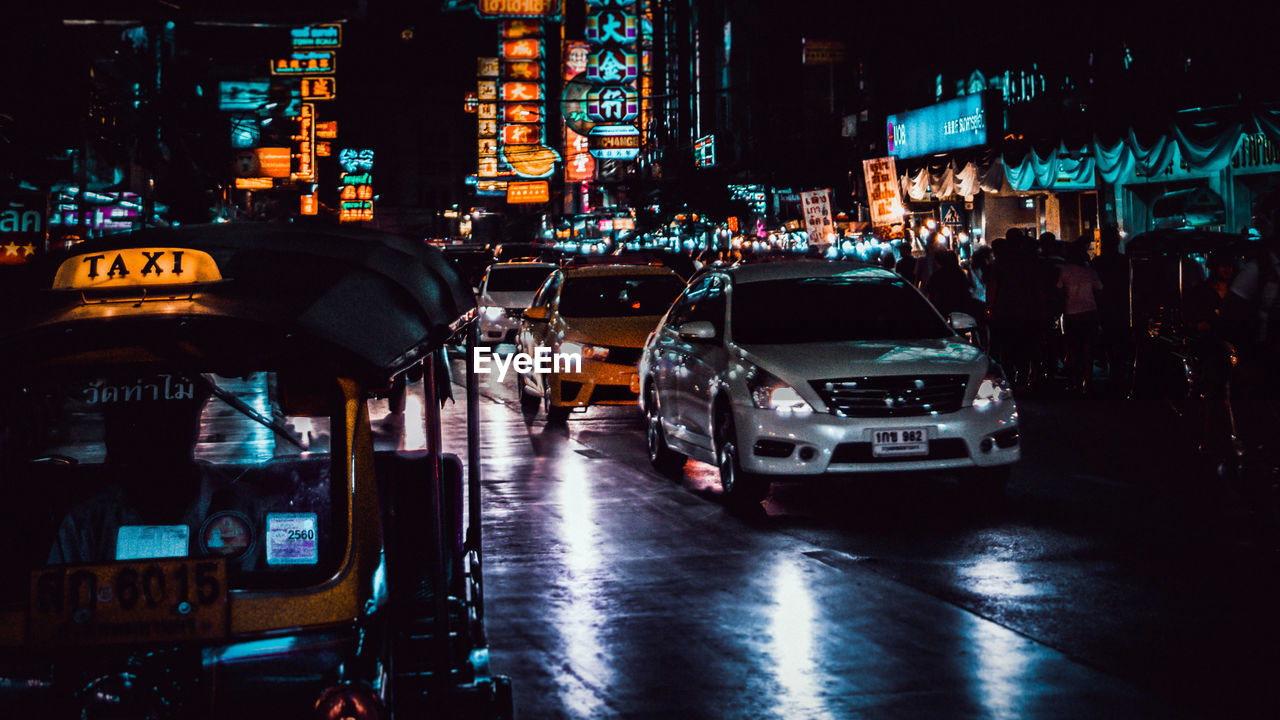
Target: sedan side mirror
column 536, row 314
column 697, row 330
column 961, row 322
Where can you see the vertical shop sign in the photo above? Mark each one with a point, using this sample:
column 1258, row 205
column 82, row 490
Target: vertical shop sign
column 817, row 216
column 883, row 193
column 579, row 166
column 613, row 68
column 304, row 138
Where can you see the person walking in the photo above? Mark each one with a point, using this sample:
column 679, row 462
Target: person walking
column 1113, row 312
column 1013, row 301
column 1081, row 287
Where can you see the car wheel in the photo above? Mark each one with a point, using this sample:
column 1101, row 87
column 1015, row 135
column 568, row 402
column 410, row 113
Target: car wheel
column 555, row 415
column 666, row 461
column 988, row 482
column 740, row 486
column 529, row 400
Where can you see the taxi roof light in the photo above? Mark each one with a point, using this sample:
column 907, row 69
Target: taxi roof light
column 136, row 268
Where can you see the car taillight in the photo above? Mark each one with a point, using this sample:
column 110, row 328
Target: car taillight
column 349, row 702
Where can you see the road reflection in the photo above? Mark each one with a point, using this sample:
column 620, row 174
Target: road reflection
column 1004, row 672
column 793, row 629
column 580, row 610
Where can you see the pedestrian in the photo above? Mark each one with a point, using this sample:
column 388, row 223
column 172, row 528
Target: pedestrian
column 1013, row 302
column 948, row 288
column 1113, row 311
column 906, row 265
column 1051, row 348
column 1081, row 286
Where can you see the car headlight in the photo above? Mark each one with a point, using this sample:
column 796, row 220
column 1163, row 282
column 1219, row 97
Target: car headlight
column 768, row 392
column 590, row 352
column 993, row 390
column 492, row 312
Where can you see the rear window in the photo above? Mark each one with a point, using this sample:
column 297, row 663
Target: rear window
column 516, row 279
column 146, row 465
column 618, row 295
column 832, row 309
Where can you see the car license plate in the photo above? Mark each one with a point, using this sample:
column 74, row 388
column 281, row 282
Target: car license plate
column 635, row 384
column 899, row 442
column 129, row 602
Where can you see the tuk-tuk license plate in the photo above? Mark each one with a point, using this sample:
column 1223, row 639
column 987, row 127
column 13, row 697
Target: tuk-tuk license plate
column 131, row 602
column 899, row 442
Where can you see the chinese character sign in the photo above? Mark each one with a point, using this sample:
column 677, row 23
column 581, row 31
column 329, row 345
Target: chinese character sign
column 613, row 67
column 521, row 94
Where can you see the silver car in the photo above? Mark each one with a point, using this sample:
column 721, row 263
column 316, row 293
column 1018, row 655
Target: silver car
column 786, row 370
column 505, row 292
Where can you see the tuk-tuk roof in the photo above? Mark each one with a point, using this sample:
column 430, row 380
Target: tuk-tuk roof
column 1184, row 241
column 367, row 302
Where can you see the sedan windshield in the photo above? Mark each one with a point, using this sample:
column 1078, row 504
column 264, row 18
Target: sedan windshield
column 831, row 309
column 517, row 279
column 618, row 296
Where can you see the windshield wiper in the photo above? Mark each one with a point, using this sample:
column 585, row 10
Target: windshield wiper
column 276, row 426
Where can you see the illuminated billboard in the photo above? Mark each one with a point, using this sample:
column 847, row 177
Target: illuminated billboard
column 543, row 9
column 612, row 69
column 951, row 125
column 316, row 36
column 306, row 62
column 319, row 88
column 538, row 191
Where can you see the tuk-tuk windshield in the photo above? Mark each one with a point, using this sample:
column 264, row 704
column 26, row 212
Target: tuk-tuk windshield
column 135, row 465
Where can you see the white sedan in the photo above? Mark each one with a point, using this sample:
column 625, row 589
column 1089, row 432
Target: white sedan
column 786, row 370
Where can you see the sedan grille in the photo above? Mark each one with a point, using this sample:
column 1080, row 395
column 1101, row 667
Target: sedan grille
column 892, row 395
column 624, row 355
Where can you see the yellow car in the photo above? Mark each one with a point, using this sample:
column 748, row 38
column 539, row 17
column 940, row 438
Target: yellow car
column 580, row 340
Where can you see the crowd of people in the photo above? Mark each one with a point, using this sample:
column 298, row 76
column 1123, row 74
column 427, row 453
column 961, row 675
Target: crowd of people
column 1045, row 309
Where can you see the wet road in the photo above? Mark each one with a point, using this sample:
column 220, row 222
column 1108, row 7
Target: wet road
column 1115, row 580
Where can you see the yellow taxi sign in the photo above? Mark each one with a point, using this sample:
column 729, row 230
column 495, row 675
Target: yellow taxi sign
column 136, row 267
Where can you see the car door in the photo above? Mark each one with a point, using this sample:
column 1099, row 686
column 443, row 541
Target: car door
column 665, row 361
column 535, row 333
column 701, row 360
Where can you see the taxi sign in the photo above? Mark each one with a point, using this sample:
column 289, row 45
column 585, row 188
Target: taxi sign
column 136, row 267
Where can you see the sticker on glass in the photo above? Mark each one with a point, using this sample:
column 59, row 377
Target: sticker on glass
column 143, row 542
column 227, row 534
column 292, row 539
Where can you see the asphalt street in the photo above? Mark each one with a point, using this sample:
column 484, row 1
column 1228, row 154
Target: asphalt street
column 1116, row 578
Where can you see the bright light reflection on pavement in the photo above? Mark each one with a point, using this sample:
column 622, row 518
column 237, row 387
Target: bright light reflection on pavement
column 580, row 618
column 995, row 578
column 1005, row 670
column 793, row 626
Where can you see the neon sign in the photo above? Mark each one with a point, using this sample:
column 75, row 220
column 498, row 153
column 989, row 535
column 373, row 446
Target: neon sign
column 316, row 36
column 545, row 9
column 319, row 88
column 951, row 125
column 305, row 62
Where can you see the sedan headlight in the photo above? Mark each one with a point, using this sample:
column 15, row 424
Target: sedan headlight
column 768, row 392
column 993, row 390
column 492, row 312
column 590, row 352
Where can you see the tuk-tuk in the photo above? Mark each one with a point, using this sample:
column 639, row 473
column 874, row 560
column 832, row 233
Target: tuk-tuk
column 1176, row 363
column 199, row 519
